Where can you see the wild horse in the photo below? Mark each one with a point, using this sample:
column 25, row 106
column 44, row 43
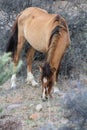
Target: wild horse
column 47, row 33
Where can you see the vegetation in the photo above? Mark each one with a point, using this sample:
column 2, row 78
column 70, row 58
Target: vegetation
column 6, row 67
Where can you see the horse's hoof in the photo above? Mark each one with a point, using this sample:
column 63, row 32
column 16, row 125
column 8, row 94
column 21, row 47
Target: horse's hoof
column 51, row 96
column 28, row 82
column 13, row 86
column 34, row 83
column 44, row 99
column 56, row 90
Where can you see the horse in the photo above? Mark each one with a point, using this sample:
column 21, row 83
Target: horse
column 46, row 33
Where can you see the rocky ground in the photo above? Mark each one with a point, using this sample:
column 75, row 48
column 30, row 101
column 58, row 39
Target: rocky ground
column 18, row 107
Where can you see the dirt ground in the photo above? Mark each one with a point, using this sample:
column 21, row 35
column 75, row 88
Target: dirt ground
column 19, row 104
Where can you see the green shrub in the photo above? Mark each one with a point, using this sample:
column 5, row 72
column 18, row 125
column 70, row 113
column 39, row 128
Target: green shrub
column 6, row 67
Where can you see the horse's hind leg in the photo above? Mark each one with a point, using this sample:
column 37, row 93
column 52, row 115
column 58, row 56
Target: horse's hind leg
column 30, row 77
column 21, row 41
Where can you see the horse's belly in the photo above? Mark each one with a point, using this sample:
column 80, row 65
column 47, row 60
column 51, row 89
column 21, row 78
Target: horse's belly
column 36, row 34
column 39, row 46
column 37, row 40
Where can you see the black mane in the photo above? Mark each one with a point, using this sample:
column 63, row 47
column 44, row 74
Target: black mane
column 56, row 30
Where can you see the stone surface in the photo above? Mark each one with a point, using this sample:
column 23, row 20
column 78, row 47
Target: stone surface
column 13, row 106
column 39, row 107
column 48, row 126
column 35, row 116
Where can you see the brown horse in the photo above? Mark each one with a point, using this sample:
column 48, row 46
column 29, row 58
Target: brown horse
column 47, row 33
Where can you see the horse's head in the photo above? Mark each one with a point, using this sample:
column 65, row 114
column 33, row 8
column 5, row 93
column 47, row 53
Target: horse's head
column 47, row 80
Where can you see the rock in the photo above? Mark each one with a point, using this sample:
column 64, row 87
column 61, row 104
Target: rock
column 56, row 90
column 13, row 106
column 48, row 126
column 31, row 105
column 39, row 107
column 66, row 128
column 34, row 116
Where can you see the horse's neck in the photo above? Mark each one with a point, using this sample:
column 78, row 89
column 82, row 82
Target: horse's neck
column 51, row 52
column 56, row 51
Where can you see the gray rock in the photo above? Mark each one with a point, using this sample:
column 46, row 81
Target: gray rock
column 48, row 126
column 65, row 128
column 39, row 107
column 13, row 106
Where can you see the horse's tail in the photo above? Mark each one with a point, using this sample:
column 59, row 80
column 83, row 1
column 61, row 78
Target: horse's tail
column 13, row 41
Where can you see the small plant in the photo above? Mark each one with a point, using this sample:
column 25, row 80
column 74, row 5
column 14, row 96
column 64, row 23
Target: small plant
column 1, row 109
column 6, row 67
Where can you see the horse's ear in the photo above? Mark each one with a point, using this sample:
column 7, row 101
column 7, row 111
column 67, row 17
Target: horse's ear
column 53, row 69
column 40, row 68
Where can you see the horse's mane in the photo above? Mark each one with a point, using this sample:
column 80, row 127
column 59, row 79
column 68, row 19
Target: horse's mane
column 61, row 21
column 47, row 70
column 61, row 25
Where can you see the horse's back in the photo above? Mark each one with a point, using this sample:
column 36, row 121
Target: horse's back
column 32, row 11
column 37, row 25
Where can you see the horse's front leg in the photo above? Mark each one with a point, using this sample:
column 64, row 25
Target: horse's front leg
column 56, row 89
column 30, row 77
